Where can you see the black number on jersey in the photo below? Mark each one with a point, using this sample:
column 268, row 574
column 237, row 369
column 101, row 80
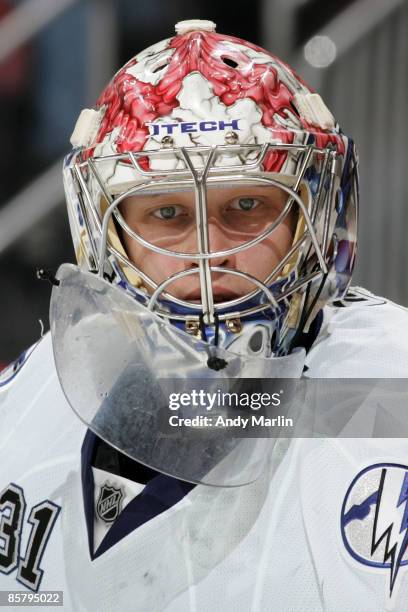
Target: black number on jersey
column 42, row 520
column 13, row 503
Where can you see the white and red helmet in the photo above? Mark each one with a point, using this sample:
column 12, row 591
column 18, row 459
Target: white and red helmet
column 205, row 108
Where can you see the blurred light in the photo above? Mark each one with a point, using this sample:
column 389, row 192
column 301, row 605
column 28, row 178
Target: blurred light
column 320, row 51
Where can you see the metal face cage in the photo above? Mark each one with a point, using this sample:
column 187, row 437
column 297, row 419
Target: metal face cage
column 309, row 260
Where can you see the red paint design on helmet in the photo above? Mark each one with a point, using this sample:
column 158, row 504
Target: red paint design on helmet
column 130, row 103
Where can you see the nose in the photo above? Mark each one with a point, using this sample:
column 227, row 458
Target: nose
column 218, row 241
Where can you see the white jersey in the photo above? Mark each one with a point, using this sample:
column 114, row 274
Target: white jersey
column 321, row 530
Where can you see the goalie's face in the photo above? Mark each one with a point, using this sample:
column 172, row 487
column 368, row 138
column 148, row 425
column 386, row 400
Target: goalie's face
column 235, row 216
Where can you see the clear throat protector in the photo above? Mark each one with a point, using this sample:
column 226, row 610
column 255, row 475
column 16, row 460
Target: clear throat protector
column 122, row 367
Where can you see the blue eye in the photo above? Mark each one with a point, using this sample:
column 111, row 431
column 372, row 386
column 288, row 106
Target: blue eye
column 167, row 212
column 245, row 204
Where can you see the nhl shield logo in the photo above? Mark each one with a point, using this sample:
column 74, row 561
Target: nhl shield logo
column 374, row 519
column 109, row 501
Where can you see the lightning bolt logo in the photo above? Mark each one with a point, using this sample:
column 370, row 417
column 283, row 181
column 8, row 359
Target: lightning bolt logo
column 389, row 526
column 374, row 521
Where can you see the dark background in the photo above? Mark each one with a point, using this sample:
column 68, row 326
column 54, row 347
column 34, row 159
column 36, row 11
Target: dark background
column 57, row 71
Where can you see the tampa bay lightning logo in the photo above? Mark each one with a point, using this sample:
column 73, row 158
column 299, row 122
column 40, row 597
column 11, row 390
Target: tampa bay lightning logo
column 374, row 518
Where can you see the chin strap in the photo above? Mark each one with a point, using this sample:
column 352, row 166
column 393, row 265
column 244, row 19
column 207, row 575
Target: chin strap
column 213, row 362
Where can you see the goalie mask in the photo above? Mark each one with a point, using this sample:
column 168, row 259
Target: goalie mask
column 216, row 190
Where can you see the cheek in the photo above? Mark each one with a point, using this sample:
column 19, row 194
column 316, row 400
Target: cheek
column 158, row 267
column 260, row 260
column 284, row 237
